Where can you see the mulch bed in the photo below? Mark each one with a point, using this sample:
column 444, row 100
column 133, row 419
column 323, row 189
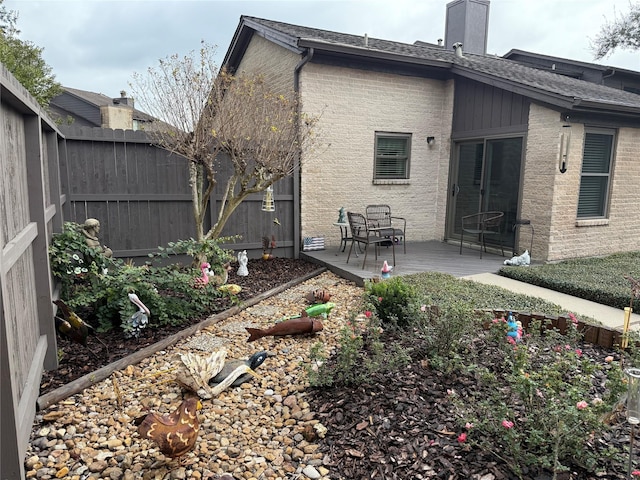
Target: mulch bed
column 401, row 425
column 398, row 426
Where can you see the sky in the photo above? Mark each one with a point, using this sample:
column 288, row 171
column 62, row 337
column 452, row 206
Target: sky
column 97, row 45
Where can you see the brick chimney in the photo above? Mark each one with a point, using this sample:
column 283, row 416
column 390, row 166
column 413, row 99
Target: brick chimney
column 467, row 22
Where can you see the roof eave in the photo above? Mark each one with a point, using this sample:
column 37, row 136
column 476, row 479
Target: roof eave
column 369, row 53
column 556, row 99
column 242, row 36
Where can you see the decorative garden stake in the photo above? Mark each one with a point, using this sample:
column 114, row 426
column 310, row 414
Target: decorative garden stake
column 242, row 261
column 633, row 407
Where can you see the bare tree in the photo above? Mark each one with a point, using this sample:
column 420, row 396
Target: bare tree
column 623, row 32
column 206, row 113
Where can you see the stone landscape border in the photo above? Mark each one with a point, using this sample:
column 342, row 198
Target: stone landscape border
column 595, row 334
column 71, row 388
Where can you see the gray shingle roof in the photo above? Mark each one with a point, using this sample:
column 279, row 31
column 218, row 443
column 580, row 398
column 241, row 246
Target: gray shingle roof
column 546, row 86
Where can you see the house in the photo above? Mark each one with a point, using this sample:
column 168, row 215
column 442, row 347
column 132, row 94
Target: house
column 439, row 131
column 89, row 109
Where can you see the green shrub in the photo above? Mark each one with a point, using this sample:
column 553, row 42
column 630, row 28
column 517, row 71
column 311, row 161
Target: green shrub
column 206, row 250
column 98, row 287
column 360, row 354
column 535, row 407
column 601, row 280
column 393, row 300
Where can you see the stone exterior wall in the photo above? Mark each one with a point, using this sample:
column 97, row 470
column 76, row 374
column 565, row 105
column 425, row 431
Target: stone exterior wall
column 550, row 198
column 353, row 106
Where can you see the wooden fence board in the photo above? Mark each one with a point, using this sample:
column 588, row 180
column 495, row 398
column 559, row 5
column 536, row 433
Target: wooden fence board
column 29, row 204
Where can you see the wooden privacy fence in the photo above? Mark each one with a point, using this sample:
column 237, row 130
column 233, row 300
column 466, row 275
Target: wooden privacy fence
column 30, row 212
column 141, row 195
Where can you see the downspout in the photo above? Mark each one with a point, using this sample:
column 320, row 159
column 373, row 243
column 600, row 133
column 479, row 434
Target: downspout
column 297, row 233
column 296, row 71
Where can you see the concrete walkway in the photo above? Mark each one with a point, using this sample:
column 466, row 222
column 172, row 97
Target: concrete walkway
column 609, row 316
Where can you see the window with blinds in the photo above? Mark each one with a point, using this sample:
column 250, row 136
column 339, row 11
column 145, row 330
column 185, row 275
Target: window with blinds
column 393, row 152
column 595, row 177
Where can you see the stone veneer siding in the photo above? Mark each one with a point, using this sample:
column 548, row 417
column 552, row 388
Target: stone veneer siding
column 559, row 235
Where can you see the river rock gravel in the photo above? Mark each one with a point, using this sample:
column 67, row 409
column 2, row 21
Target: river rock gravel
column 259, row 430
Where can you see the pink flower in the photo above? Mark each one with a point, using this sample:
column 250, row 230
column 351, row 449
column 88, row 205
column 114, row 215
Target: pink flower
column 635, row 473
column 462, row 437
column 507, row 424
column 567, row 347
column 379, row 299
column 573, row 318
column 423, row 308
column 468, row 425
column 579, row 352
column 581, row 405
column 367, row 314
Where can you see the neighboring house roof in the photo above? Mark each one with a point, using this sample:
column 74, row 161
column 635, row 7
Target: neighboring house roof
column 84, row 106
column 557, row 90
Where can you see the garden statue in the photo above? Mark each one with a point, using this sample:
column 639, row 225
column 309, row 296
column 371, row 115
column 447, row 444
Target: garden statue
column 90, row 229
column 386, row 270
column 341, row 218
column 243, row 260
column 523, row 259
column 514, row 333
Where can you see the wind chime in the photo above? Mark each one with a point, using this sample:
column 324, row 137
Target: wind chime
column 268, row 204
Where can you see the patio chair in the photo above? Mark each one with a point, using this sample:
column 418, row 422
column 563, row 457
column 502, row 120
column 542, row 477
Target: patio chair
column 379, row 216
column 483, row 224
column 363, row 233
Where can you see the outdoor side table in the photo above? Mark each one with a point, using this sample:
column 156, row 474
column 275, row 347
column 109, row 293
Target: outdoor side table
column 344, row 235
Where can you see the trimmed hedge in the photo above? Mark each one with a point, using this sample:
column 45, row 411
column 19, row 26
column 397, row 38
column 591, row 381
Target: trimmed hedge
column 600, row 280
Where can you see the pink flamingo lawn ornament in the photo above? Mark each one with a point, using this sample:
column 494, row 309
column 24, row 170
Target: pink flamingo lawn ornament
column 203, row 280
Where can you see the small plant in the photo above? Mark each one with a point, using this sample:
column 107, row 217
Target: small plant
column 268, row 244
column 204, row 251
column 359, row 356
column 391, row 300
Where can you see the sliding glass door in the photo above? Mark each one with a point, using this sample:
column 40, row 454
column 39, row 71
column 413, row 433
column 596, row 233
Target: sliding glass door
column 486, row 177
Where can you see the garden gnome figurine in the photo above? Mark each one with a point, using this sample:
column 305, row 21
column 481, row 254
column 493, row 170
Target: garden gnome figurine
column 386, row 270
column 90, row 229
column 341, row 218
column 243, row 260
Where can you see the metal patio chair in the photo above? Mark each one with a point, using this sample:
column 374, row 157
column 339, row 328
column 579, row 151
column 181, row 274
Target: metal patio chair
column 483, row 225
column 363, row 233
column 379, row 216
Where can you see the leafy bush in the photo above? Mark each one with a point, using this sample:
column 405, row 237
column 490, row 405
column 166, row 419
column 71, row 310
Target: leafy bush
column 392, row 300
column 98, row 287
column 77, row 266
column 359, row 356
column 601, row 280
column 537, row 408
column 206, row 250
